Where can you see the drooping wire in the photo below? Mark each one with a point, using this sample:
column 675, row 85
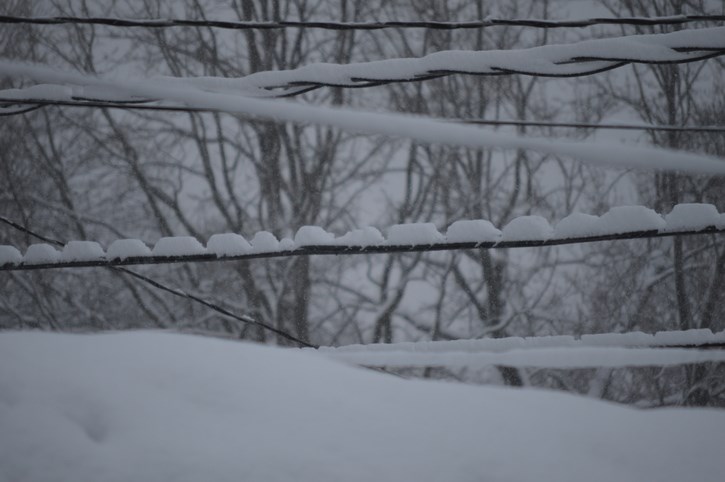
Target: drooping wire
column 148, row 106
column 332, row 25
column 174, row 291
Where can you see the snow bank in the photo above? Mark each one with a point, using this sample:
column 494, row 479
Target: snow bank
column 158, row 407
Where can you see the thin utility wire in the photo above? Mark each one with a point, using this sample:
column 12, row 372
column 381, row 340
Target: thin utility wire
column 176, row 292
column 331, row 25
column 316, row 250
column 38, row 103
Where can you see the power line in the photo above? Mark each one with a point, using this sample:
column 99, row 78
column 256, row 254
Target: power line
column 331, row 25
column 38, row 103
column 556, row 61
column 174, row 291
column 312, row 250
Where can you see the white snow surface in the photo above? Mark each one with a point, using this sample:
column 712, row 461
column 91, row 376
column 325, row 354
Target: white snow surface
column 228, row 244
column 495, row 345
column 160, row 407
column 126, row 248
column 313, row 236
column 10, row 255
column 577, row 225
column 41, row 253
column 525, row 228
column 618, row 220
column 691, row 216
column 414, row 233
column 178, row 246
column 264, row 241
column 398, row 125
column 557, row 357
column 367, row 236
column 472, row 231
column 82, row 251
column 624, row 219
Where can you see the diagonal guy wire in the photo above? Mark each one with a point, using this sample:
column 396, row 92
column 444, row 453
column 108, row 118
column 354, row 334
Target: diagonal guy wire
column 176, row 292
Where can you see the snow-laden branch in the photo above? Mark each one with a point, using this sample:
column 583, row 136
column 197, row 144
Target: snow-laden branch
column 330, row 25
column 67, row 85
column 623, row 222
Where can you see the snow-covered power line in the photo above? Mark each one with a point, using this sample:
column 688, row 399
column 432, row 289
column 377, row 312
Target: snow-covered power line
column 563, row 351
column 62, row 85
column 573, row 357
column 377, row 25
column 38, row 103
column 696, row 338
column 560, row 60
column 588, row 351
column 623, row 222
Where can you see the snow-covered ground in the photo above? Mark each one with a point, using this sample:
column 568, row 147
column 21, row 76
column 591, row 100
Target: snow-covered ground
column 151, row 406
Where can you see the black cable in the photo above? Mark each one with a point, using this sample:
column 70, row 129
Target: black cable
column 331, row 25
column 314, row 250
column 38, row 103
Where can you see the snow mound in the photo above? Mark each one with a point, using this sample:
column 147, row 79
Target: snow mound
column 178, row 246
column 161, row 407
column 228, row 244
column 577, row 225
column 127, row 248
column 264, row 242
column 625, row 219
column 692, row 216
column 10, row 255
column 367, row 236
column 526, row 228
column 82, row 251
column 414, row 233
column 40, row 254
column 472, row 231
column 313, row 236
column 287, row 244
